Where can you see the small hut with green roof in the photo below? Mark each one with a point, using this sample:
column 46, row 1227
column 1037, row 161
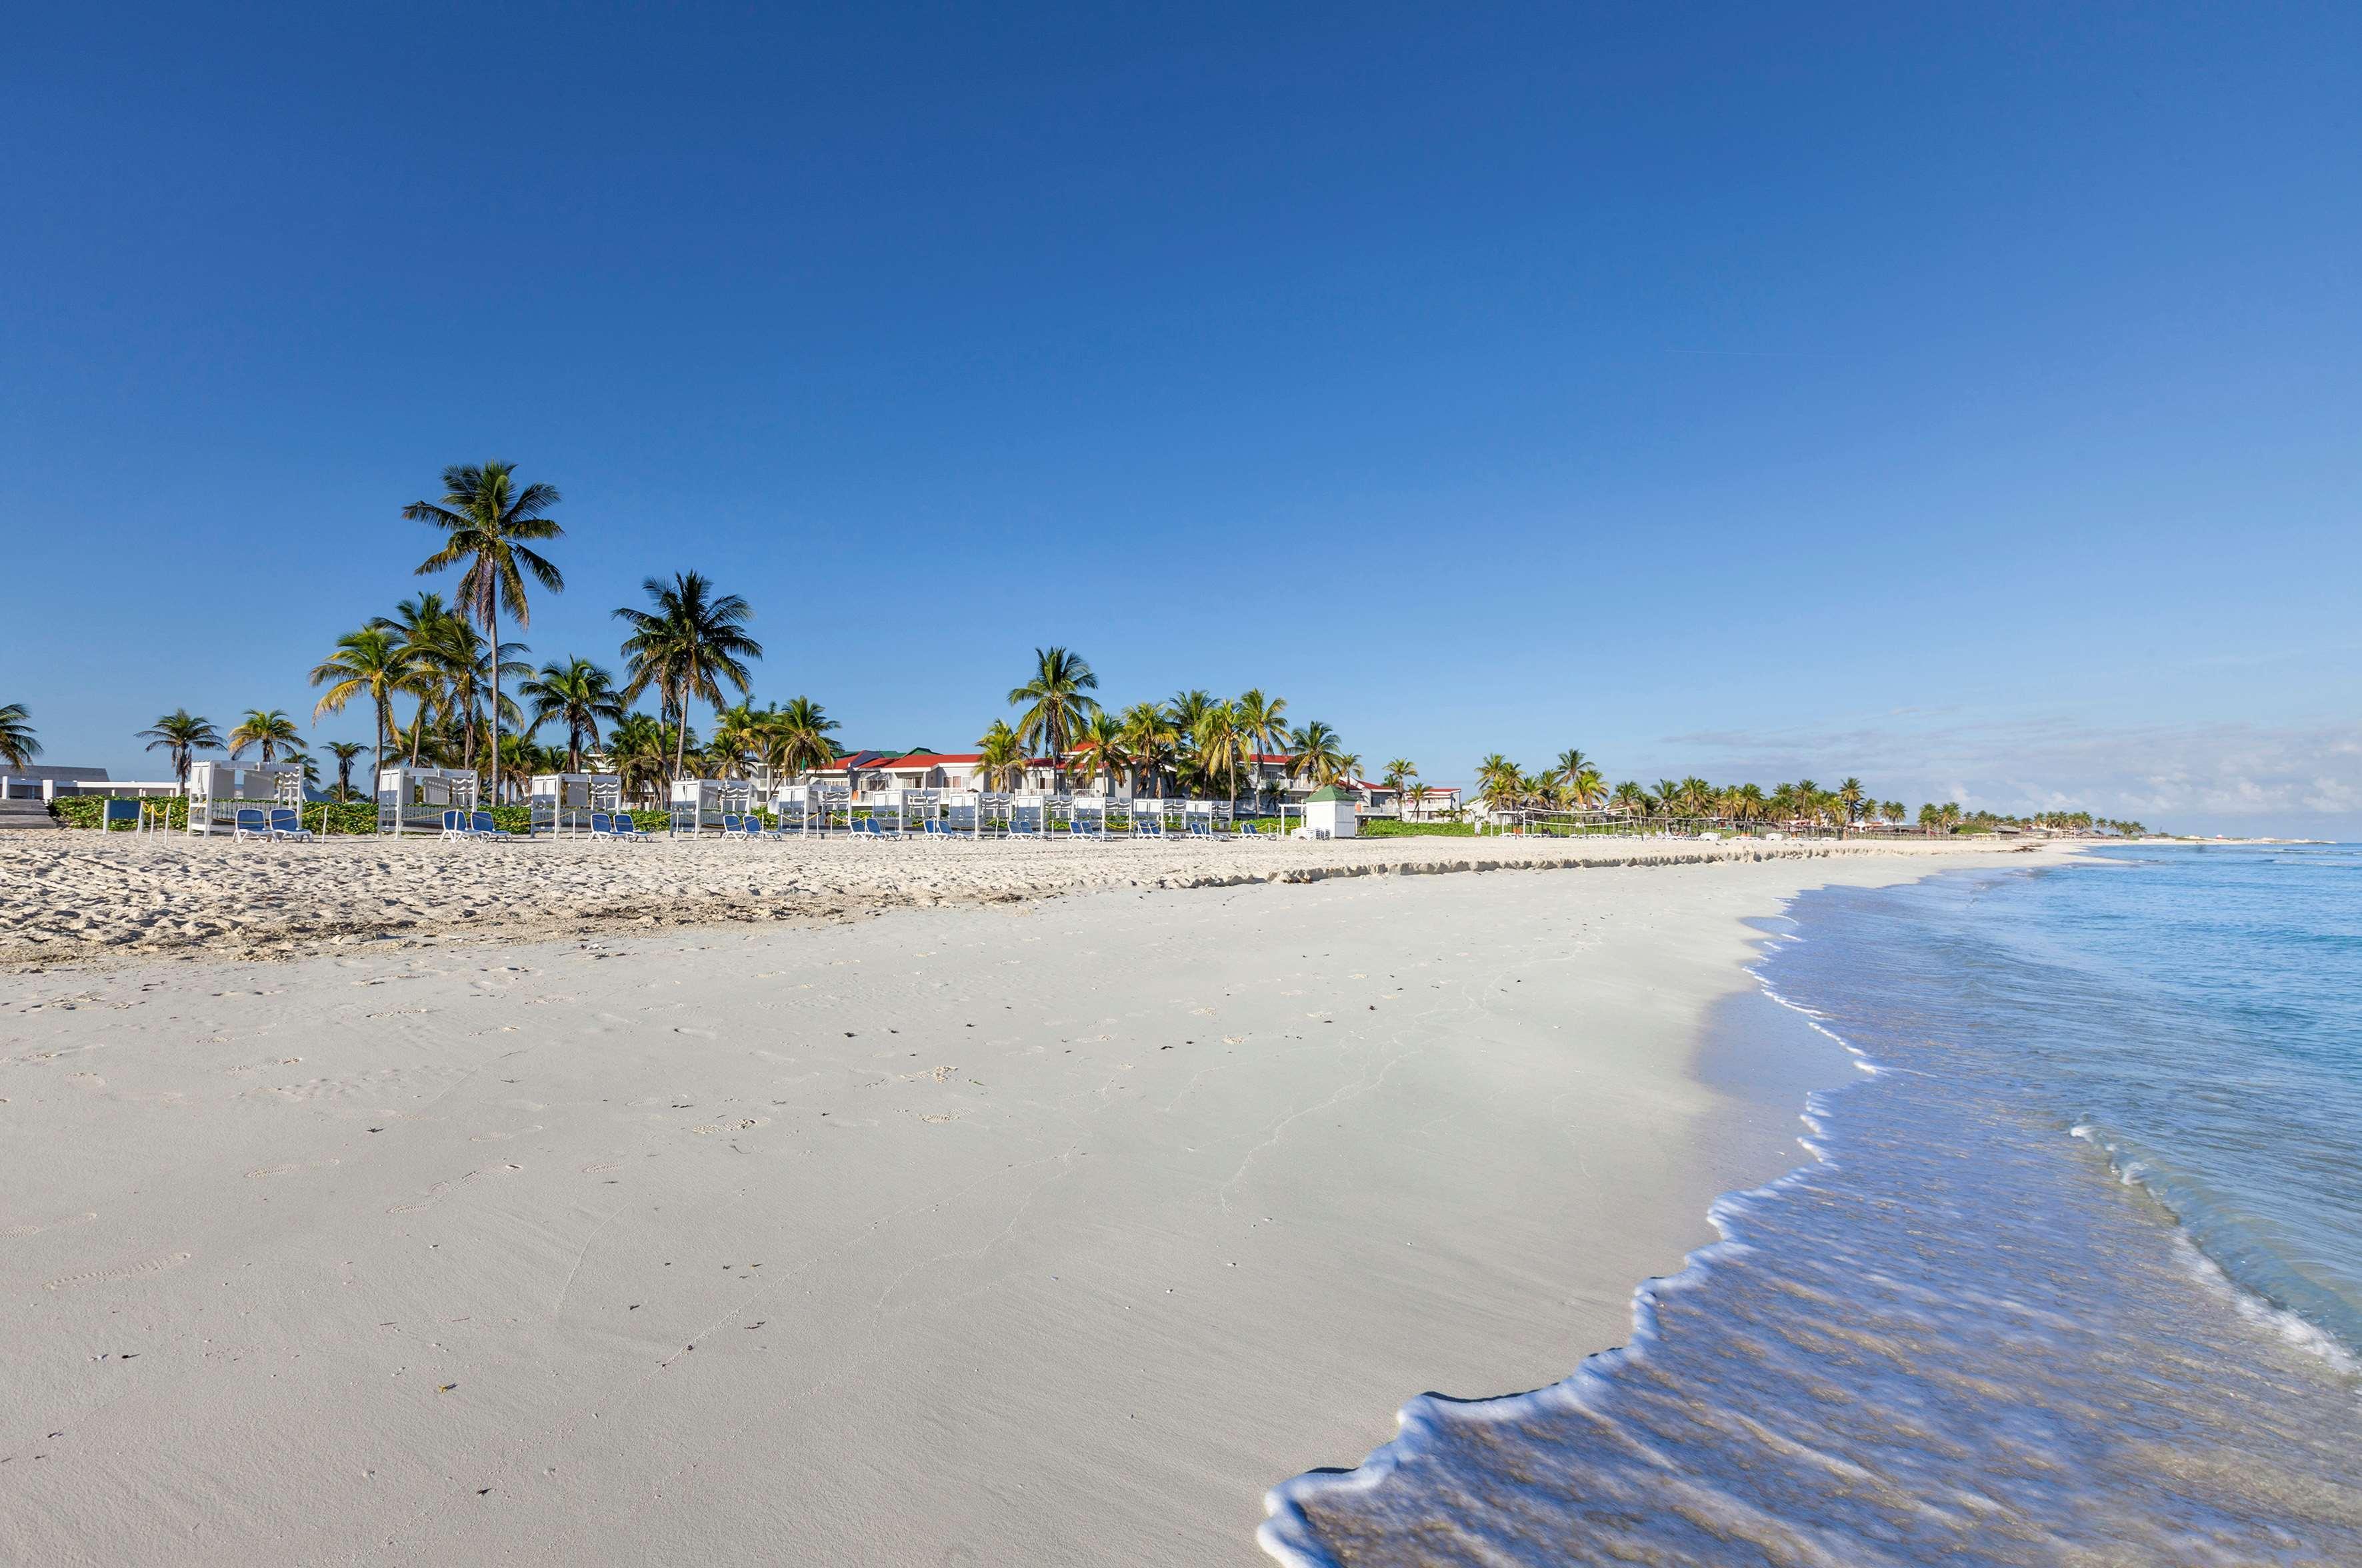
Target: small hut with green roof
column 1329, row 813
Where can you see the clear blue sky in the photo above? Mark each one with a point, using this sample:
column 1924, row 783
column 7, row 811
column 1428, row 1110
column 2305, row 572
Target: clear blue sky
column 1965, row 398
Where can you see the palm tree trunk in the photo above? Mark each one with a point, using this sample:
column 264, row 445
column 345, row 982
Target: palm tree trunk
column 494, row 721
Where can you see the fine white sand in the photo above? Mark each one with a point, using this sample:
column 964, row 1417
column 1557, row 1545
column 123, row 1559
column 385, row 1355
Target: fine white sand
column 77, row 897
column 1051, row 1232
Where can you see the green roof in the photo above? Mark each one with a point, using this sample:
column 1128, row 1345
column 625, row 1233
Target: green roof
column 1327, row 792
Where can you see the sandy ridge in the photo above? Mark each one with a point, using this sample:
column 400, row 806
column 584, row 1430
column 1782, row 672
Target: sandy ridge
column 76, row 899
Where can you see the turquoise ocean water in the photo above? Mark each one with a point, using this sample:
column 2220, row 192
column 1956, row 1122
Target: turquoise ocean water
column 2076, row 1277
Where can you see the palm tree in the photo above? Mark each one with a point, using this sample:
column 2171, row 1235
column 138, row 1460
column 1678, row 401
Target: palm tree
column 1002, row 761
column 1152, row 740
column 1585, row 788
column 1188, row 711
column 1103, row 734
column 1499, row 784
column 1055, row 702
column 374, row 661
column 737, row 737
column 1398, row 776
column 182, row 734
column 1630, row 799
column 1849, row 795
column 685, row 646
column 489, row 523
column 270, row 729
column 1263, row 721
column 1697, row 797
column 795, row 740
column 457, row 661
column 640, row 748
column 345, row 753
column 578, row 694
column 1571, row 765
column 1316, row 753
column 1220, row 746
column 17, row 747
column 304, row 760
column 1893, row 811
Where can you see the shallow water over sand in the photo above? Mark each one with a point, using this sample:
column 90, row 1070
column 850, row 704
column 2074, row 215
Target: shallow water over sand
column 1958, row 1336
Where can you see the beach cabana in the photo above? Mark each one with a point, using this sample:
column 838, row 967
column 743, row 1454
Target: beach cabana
column 413, row 800
column 701, row 803
column 216, row 790
column 1331, row 812
column 562, row 803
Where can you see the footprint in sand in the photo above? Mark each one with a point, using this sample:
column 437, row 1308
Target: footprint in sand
column 503, row 1137
column 128, row 1271
column 598, row 1168
column 289, row 1170
column 87, row 1080
column 18, row 1232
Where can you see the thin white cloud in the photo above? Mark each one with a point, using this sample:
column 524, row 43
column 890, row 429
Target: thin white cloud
column 2057, row 761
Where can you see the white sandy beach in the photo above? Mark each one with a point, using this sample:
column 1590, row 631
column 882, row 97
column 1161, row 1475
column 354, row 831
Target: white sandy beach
column 1041, row 1233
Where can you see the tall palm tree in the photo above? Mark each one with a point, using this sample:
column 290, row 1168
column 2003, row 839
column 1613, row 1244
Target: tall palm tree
column 686, row 645
column 489, row 523
column 795, row 740
column 1571, row 765
column 1630, row 799
column 1152, row 740
column 1058, row 704
column 17, row 747
column 1103, row 733
column 1583, row 788
column 271, row 729
column 1400, row 774
column 737, row 738
column 1499, row 784
column 578, row 694
column 1849, row 795
column 1221, row 745
column 345, row 753
column 1263, row 721
column 374, row 662
column 639, row 748
column 1002, row 758
column 1316, row 753
column 182, row 734
column 459, row 661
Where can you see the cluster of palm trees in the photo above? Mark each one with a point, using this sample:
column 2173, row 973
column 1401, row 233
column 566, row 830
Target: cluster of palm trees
column 1192, row 743
column 18, row 745
column 1949, row 817
column 1573, row 784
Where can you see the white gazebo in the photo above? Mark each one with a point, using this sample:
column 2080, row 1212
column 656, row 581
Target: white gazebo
column 700, row 804
column 216, row 790
column 563, row 803
column 413, row 800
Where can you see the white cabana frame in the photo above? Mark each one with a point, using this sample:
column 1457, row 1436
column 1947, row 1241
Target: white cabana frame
column 701, row 803
column 413, row 800
column 216, row 790
column 562, row 803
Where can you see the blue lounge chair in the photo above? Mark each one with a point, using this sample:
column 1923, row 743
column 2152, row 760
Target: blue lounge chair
column 935, row 828
column 1148, row 824
column 732, row 824
column 288, row 826
column 486, row 827
column 249, row 823
column 601, row 825
column 1201, row 827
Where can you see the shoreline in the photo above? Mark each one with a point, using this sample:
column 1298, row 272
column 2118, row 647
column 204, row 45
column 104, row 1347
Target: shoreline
column 1141, row 1202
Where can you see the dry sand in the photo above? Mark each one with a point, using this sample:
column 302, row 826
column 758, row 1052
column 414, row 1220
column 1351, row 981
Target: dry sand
column 77, row 897
column 1043, row 1233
